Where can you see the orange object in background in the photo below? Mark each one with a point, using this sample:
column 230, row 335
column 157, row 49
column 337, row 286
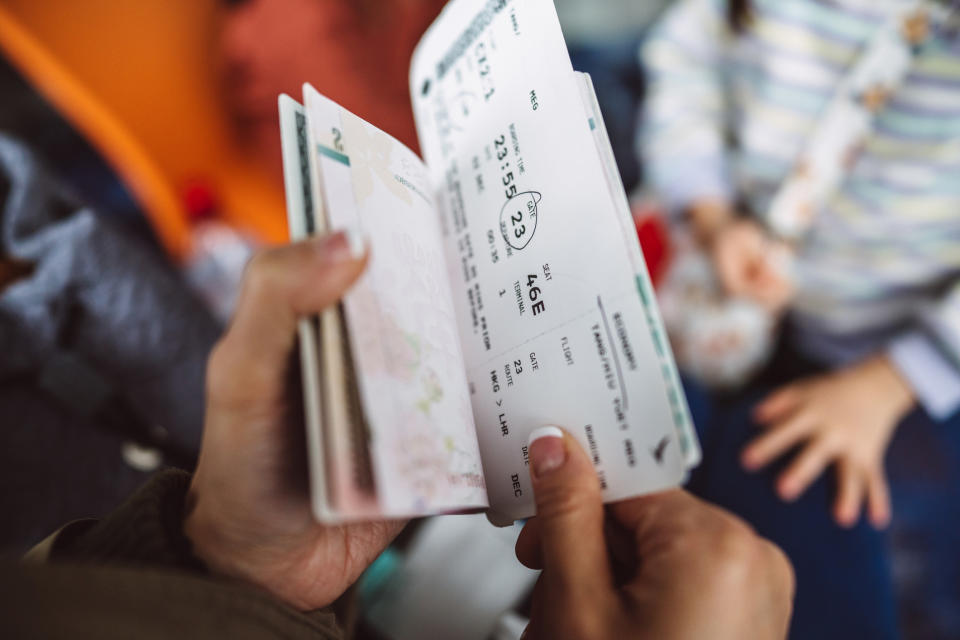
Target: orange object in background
column 137, row 79
column 141, row 80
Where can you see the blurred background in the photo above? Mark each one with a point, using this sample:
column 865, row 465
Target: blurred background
column 140, row 158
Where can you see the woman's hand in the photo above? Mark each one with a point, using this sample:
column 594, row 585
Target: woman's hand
column 249, row 511
column 846, row 418
column 681, row 568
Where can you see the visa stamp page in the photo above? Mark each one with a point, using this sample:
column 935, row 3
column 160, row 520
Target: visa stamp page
column 553, row 327
column 401, row 324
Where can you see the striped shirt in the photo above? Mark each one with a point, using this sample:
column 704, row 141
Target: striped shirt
column 727, row 116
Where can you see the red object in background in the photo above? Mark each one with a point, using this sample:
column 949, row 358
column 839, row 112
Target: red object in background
column 654, row 239
column 199, row 201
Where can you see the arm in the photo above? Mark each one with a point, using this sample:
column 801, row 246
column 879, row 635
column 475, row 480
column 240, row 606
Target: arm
column 928, row 357
column 682, row 138
column 684, row 149
column 244, row 516
column 146, row 530
column 110, row 574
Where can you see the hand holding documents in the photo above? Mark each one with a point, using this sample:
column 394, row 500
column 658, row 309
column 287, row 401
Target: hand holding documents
column 506, row 288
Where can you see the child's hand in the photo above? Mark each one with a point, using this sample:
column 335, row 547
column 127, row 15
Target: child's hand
column 847, row 418
column 745, row 258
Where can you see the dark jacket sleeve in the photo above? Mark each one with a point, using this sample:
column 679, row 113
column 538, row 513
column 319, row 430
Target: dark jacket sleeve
column 100, row 574
column 146, row 530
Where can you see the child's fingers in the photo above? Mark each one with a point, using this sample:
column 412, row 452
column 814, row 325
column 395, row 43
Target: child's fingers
column 776, row 405
column 737, row 260
column 773, row 292
column 765, row 276
column 776, row 441
column 850, row 490
column 803, row 470
column 734, row 276
column 878, row 499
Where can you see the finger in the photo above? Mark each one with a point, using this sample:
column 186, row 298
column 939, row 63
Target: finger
column 282, row 284
column 732, row 270
column 778, row 404
column 776, row 441
column 766, row 276
column 878, row 499
column 528, row 545
column 540, row 610
column 774, row 293
column 677, row 527
column 569, row 518
column 803, row 470
column 850, row 490
column 749, row 262
column 657, row 512
column 465, row 512
column 755, row 276
column 279, row 286
column 730, row 258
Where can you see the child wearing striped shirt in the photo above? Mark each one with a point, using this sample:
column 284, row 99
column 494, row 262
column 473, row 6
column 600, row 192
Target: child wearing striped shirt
column 736, row 90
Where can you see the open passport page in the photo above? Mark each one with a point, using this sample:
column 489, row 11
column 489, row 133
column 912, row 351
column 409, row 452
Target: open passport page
column 506, row 288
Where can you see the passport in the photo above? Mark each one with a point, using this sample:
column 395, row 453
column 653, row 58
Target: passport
column 506, row 288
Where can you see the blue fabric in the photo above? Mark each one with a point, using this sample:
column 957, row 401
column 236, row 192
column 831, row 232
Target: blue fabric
column 844, row 584
column 844, row 589
column 923, row 466
column 614, row 68
column 846, row 578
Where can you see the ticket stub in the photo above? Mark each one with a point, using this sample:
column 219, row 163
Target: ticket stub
column 552, row 325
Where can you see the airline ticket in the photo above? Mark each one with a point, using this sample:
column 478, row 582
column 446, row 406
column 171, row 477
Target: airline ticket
column 557, row 326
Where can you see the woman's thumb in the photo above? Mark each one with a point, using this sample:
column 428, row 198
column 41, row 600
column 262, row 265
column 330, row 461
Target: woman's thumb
column 569, row 515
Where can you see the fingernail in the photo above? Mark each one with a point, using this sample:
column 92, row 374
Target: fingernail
column 788, row 492
column 843, row 518
column 546, row 450
column 356, row 242
column 345, row 244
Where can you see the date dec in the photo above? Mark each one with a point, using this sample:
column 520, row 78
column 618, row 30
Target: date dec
column 517, row 487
